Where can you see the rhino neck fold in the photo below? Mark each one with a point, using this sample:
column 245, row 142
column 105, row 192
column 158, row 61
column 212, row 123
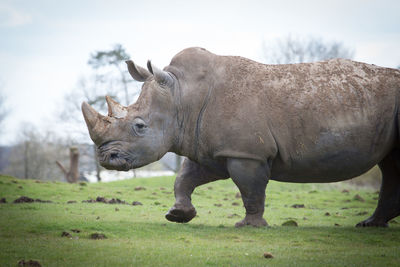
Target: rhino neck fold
column 189, row 123
column 199, row 122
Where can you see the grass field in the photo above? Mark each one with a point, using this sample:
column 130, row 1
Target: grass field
column 141, row 236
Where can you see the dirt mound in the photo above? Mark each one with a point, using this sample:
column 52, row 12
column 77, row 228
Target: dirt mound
column 139, row 188
column 25, row 199
column 31, row 263
column 66, row 234
column 290, row 223
column 110, row 201
column 97, row 236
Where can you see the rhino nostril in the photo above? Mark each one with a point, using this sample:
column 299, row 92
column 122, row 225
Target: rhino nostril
column 113, row 156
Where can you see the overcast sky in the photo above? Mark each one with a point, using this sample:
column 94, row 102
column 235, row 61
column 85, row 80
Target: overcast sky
column 45, row 45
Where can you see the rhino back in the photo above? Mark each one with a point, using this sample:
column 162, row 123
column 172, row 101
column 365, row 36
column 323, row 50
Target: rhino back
column 306, row 119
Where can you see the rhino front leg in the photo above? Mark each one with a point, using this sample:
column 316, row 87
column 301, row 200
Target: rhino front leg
column 251, row 177
column 189, row 177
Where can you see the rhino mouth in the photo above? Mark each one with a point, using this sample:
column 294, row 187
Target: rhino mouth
column 113, row 156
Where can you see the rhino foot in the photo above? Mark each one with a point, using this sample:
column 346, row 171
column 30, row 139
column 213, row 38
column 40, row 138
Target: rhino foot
column 372, row 222
column 180, row 214
column 252, row 220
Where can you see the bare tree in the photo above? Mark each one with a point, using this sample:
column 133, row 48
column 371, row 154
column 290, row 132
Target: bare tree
column 72, row 174
column 114, row 58
column 298, row 50
column 3, row 111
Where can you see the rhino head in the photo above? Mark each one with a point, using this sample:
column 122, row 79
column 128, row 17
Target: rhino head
column 136, row 135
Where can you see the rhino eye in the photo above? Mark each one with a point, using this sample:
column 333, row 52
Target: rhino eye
column 139, row 126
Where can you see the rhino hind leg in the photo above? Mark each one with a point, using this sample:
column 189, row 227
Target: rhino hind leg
column 251, row 177
column 389, row 197
column 189, row 177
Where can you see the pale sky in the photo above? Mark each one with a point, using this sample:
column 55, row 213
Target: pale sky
column 45, row 45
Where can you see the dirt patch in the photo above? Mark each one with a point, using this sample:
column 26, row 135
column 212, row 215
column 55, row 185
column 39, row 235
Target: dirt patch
column 297, row 206
column 3, row 200
column 43, row 201
column 97, row 236
column 138, row 188
column 31, row 263
column 25, row 199
column 137, row 203
column 107, row 201
column 76, row 230
column 268, row 255
column 238, row 195
column 235, row 204
column 362, row 213
column 66, row 234
column 290, row 223
column 358, row 198
column 71, row 201
column 218, row 205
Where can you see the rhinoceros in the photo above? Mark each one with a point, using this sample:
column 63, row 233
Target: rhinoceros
column 233, row 117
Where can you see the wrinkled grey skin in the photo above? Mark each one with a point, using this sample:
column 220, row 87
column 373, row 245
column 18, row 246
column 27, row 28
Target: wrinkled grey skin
column 232, row 117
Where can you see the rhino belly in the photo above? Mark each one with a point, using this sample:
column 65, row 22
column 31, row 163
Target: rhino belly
column 330, row 162
column 331, row 167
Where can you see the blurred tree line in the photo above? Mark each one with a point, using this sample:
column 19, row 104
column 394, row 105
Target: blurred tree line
column 298, row 49
column 35, row 154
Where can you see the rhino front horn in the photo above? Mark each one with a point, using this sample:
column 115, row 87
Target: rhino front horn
column 91, row 116
column 163, row 78
column 115, row 109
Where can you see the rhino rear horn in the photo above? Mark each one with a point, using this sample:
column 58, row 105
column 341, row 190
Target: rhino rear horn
column 138, row 73
column 163, row 78
column 115, row 109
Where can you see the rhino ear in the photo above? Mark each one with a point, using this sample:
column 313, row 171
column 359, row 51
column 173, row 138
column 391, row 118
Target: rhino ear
column 138, row 73
column 163, row 78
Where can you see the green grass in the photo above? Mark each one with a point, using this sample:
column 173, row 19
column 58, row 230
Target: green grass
column 141, row 236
